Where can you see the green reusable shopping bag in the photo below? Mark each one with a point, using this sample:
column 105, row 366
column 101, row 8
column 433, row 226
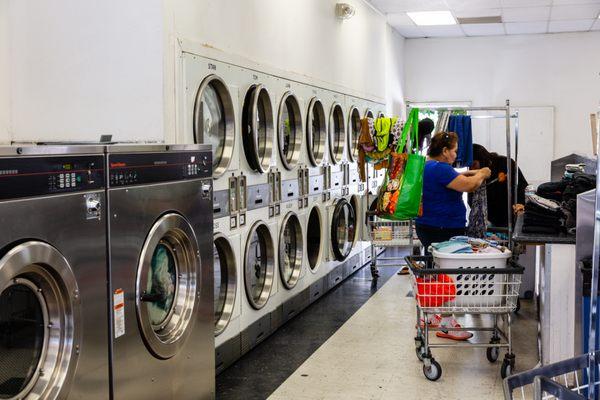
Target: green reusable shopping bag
column 400, row 195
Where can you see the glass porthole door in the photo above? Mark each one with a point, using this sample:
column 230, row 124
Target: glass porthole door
column 40, row 322
column 289, row 131
column 166, row 285
column 313, row 238
column 316, row 131
column 353, row 134
column 337, row 133
column 343, row 227
column 259, row 265
column 290, row 250
column 257, row 128
column 214, row 121
column 225, row 282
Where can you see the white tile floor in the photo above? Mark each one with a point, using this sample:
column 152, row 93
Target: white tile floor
column 373, row 357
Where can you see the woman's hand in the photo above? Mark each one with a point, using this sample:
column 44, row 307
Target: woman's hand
column 470, row 172
column 485, row 172
column 518, row 209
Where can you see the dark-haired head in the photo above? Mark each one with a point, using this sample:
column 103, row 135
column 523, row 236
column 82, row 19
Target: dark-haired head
column 481, row 157
column 442, row 141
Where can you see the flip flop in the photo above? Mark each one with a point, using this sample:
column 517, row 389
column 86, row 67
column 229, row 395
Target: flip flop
column 403, row 271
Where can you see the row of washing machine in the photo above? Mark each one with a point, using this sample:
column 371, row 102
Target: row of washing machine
column 288, row 202
column 106, row 272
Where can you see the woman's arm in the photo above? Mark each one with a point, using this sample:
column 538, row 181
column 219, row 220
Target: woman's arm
column 464, row 183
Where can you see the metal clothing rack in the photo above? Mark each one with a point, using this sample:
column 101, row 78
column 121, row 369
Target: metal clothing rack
column 507, row 117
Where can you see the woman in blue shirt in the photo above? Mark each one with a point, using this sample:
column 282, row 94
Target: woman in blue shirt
column 444, row 212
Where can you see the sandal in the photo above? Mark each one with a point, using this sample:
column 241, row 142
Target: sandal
column 454, row 335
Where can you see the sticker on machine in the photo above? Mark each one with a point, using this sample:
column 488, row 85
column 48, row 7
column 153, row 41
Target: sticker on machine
column 119, row 312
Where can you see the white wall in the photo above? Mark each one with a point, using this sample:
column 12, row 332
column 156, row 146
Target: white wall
column 81, row 69
column 560, row 70
column 394, row 78
column 4, row 74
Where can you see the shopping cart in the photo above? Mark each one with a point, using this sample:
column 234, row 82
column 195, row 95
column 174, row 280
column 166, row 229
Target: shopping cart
column 566, row 380
column 386, row 233
column 492, row 288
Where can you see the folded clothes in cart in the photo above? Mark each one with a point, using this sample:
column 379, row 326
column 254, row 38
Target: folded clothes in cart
column 466, row 244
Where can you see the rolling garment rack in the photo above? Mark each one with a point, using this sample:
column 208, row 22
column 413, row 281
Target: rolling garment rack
column 401, row 233
column 577, row 378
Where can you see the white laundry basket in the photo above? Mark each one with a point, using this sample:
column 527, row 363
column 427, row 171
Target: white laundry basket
column 479, row 289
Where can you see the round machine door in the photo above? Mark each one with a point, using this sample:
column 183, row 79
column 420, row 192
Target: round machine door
column 290, row 250
column 343, row 227
column 225, row 282
column 40, row 322
column 289, row 131
column 257, row 128
column 259, row 265
column 214, row 121
column 316, row 132
column 167, row 284
column 381, row 115
column 313, row 238
column 337, row 133
column 355, row 204
column 353, row 133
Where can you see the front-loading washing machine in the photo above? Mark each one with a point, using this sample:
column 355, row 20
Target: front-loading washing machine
column 210, row 113
column 316, row 233
column 160, row 234
column 353, row 127
column 337, row 135
column 228, row 282
column 289, row 133
column 341, row 222
column 53, row 275
column 260, row 275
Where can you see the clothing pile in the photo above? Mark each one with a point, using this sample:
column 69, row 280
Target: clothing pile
column 378, row 139
column 467, row 245
column 553, row 209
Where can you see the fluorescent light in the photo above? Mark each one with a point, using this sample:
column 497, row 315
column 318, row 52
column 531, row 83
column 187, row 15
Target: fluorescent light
column 428, row 18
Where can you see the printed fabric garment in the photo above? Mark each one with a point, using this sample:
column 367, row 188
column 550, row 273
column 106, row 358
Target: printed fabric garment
column 365, row 143
column 478, row 217
column 461, row 125
column 442, row 122
column 548, row 204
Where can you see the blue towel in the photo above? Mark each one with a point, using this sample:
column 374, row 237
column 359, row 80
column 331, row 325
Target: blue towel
column 452, row 247
column 461, row 125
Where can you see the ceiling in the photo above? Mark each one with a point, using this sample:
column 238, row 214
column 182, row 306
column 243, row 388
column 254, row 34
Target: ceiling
column 518, row 16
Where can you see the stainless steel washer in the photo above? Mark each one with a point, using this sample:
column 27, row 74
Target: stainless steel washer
column 161, row 269
column 53, row 276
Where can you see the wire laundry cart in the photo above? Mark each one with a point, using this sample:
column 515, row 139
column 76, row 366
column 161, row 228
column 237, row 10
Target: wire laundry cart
column 386, row 233
column 478, row 287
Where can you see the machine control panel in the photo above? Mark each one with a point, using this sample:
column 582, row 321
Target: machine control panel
column 38, row 176
column 129, row 169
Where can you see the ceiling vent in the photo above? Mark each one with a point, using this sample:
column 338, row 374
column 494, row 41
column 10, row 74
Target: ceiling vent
column 480, row 20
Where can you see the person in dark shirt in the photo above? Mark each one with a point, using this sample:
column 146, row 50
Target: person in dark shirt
column 497, row 192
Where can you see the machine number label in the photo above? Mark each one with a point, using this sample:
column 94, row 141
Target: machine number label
column 212, row 66
column 289, row 205
column 119, row 312
column 216, row 226
column 314, row 92
column 287, row 85
column 255, row 77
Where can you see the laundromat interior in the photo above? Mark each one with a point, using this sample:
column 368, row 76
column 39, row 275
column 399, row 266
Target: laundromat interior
column 299, row 199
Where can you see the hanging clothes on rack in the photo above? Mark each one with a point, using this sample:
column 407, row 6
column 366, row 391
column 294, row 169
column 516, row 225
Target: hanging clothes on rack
column 478, row 216
column 442, row 122
column 461, row 125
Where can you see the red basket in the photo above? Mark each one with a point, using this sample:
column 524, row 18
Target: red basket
column 435, row 290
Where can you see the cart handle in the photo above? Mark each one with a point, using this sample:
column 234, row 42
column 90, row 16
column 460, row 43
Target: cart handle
column 418, row 270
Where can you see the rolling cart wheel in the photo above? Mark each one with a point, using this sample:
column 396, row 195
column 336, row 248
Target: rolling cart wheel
column 508, row 366
column 492, row 354
column 434, row 371
column 420, row 349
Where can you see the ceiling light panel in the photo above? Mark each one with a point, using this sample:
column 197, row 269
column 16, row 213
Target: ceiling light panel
column 525, row 14
column 432, row 18
column 399, row 19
